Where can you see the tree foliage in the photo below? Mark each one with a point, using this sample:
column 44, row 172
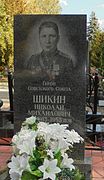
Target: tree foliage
column 13, row 7
column 93, row 26
column 6, row 42
column 9, row 8
column 96, row 43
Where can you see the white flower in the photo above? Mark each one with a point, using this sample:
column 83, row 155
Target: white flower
column 59, row 144
column 27, row 134
column 73, row 137
column 27, row 147
column 22, row 135
column 18, row 165
column 54, row 135
column 15, row 139
column 50, row 153
column 15, row 176
column 53, row 144
column 49, row 169
column 67, row 162
column 28, row 144
column 30, row 120
column 57, row 130
column 43, row 127
column 57, row 138
column 63, row 145
column 25, row 141
column 45, row 131
column 26, row 127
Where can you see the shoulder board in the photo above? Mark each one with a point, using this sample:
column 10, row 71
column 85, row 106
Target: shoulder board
column 64, row 55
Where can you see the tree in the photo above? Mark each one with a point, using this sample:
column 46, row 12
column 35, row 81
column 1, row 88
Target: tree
column 9, row 8
column 13, row 7
column 6, row 41
column 96, row 43
column 101, row 52
column 93, row 27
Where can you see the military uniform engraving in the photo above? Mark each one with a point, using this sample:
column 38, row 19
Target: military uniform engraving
column 50, row 61
column 49, row 65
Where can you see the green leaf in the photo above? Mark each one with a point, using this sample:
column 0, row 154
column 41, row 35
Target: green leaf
column 36, row 154
column 33, row 126
column 78, row 175
column 58, row 156
column 28, row 176
column 36, row 160
column 37, row 173
column 33, row 164
column 75, row 174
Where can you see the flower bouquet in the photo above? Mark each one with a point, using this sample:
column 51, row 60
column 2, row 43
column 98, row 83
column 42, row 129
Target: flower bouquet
column 41, row 151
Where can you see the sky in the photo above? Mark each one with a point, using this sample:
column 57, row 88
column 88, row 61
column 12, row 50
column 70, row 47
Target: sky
column 84, row 7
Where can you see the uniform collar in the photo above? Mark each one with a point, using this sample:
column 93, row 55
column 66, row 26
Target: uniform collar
column 49, row 54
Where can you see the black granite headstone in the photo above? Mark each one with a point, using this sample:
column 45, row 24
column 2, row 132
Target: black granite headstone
column 50, row 64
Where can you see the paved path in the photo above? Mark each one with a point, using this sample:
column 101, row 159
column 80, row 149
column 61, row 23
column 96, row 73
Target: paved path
column 97, row 163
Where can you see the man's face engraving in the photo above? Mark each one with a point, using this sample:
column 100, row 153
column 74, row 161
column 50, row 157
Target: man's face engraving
column 48, row 39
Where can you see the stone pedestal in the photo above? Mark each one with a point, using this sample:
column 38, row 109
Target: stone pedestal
column 4, row 174
column 85, row 167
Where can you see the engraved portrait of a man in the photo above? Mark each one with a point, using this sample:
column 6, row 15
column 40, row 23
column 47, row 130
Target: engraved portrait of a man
column 50, row 61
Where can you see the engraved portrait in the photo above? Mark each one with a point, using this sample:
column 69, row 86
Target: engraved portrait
column 51, row 61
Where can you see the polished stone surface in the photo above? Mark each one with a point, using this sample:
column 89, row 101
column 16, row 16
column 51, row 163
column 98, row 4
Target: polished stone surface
column 51, row 86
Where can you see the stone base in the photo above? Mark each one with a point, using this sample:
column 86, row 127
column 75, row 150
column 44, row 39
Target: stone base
column 85, row 167
column 4, row 174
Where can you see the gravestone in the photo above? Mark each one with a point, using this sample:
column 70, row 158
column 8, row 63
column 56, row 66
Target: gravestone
column 50, row 63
